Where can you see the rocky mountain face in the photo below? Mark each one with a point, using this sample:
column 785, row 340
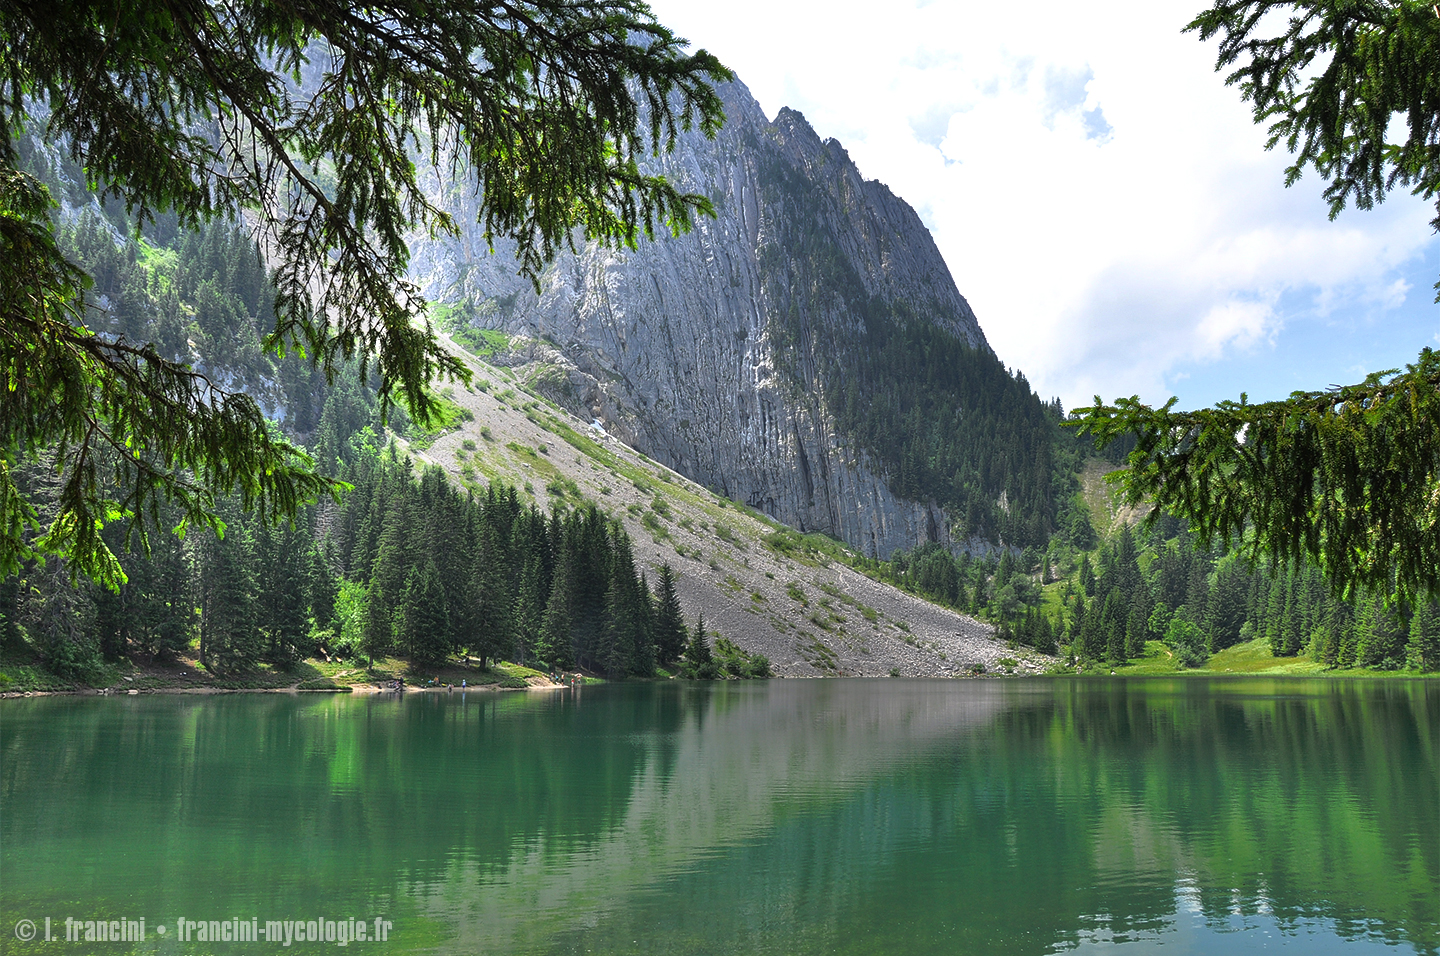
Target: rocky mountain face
column 717, row 353
column 798, row 600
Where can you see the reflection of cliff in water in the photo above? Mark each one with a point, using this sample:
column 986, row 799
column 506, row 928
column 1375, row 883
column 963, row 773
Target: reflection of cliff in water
column 745, row 759
column 781, row 816
column 1098, row 811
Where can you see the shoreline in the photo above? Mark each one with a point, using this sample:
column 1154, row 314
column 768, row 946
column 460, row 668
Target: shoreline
column 363, row 690
column 368, row 690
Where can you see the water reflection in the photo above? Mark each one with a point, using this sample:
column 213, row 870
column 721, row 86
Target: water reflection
column 785, row 816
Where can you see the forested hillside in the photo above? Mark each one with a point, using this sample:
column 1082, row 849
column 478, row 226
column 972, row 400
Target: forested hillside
column 201, row 296
column 1150, row 598
column 417, row 567
column 940, row 415
column 513, row 550
column 471, row 560
column 1158, row 586
column 404, row 567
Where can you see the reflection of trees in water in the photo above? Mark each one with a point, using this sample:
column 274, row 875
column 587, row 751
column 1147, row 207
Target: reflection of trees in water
column 988, row 816
column 332, row 795
column 1092, row 810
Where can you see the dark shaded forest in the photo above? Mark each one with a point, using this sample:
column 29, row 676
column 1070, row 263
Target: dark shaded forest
column 943, row 420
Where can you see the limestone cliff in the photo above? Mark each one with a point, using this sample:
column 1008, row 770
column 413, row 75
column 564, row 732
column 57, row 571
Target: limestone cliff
column 704, row 352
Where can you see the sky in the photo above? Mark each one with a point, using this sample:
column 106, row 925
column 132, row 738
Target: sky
column 1103, row 200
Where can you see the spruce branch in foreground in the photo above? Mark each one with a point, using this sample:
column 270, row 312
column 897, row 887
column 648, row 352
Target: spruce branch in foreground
column 303, row 118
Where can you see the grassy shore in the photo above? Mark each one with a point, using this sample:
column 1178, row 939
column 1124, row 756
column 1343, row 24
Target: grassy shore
column 21, row 675
column 1252, row 658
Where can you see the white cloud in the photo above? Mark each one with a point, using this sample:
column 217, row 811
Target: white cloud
column 1103, row 200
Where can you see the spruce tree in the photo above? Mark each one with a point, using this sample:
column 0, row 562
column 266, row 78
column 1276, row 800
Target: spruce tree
column 172, row 624
column 670, row 636
column 282, row 594
column 323, row 588
column 1094, row 636
column 425, row 624
column 588, row 538
column 645, row 652
column 494, row 629
column 1115, row 618
column 60, row 620
column 1225, row 610
column 229, row 639
column 555, row 629
column 1348, row 650
column 1045, row 635
column 529, row 616
column 1277, row 611
column 697, row 655
column 394, row 556
column 1296, row 615
column 1333, row 633
column 1125, row 574
column 1136, row 626
column 1382, row 639
column 1087, row 576
column 1423, row 650
column 621, row 652
column 1077, row 626
column 377, row 636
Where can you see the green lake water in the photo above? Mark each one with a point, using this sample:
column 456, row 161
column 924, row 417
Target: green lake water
column 775, row 817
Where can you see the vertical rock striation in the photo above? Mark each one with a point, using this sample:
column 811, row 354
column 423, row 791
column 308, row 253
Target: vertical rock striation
column 704, row 352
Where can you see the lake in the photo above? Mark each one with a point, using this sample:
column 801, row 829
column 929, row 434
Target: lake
column 776, row 817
